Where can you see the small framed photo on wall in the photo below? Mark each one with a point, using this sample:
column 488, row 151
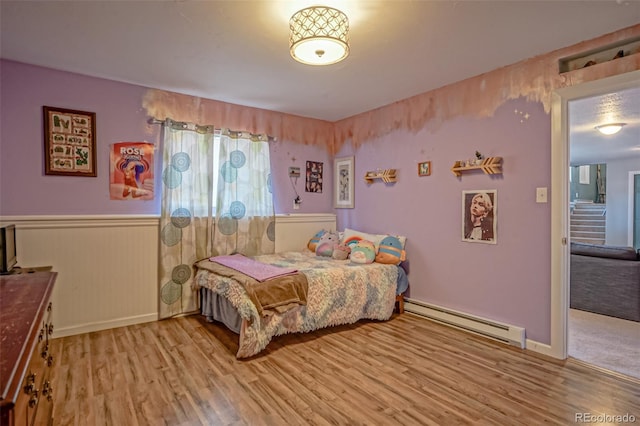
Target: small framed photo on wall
column 343, row 193
column 314, row 176
column 424, row 168
column 69, row 142
column 479, row 216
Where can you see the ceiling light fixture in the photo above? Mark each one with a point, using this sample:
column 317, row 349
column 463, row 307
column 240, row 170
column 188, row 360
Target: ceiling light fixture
column 319, row 35
column 610, row 129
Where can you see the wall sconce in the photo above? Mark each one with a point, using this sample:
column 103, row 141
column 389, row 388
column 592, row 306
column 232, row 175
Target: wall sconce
column 319, row 35
column 610, row 129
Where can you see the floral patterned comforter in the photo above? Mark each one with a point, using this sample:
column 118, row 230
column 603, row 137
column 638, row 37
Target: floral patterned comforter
column 340, row 292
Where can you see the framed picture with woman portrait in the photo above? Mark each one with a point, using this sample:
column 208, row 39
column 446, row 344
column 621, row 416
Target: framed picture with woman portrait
column 479, row 216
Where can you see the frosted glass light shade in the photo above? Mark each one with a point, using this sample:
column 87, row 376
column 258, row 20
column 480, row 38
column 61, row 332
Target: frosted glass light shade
column 610, row 129
column 319, row 35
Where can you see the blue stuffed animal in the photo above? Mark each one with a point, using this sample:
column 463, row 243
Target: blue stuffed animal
column 390, row 251
column 313, row 242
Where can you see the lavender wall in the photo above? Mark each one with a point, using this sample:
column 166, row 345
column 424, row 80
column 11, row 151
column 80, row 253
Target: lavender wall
column 508, row 281
column 120, row 117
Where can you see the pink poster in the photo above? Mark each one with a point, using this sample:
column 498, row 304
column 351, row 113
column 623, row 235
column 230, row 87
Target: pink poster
column 131, row 171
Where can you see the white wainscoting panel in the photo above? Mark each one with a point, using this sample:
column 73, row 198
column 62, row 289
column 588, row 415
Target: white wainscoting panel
column 108, row 265
column 107, row 268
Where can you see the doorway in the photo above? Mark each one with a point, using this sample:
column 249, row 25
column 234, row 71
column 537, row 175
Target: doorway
column 560, row 207
column 600, row 332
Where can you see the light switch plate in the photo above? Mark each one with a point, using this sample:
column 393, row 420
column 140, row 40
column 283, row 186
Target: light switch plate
column 541, row 195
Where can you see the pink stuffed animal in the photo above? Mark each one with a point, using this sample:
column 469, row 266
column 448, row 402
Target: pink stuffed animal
column 327, row 243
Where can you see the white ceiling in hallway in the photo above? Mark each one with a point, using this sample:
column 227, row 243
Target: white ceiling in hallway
column 587, row 145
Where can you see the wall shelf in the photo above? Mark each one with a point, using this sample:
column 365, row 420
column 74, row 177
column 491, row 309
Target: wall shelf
column 490, row 166
column 600, row 55
column 386, row 175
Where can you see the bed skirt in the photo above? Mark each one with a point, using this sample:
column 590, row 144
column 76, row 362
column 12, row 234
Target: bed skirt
column 218, row 308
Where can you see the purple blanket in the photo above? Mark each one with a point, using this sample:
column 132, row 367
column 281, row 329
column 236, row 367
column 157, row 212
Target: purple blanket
column 257, row 270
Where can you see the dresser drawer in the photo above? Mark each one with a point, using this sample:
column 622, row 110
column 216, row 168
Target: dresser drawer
column 34, row 405
column 26, row 396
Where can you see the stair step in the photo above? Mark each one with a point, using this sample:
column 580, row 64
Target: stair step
column 599, row 233
column 588, row 222
column 588, row 218
column 587, row 240
column 594, row 235
column 593, row 211
column 590, row 206
column 589, row 212
column 592, row 228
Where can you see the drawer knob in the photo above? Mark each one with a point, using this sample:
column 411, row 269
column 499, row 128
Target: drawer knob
column 47, row 390
column 30, row 383
column 33, row 401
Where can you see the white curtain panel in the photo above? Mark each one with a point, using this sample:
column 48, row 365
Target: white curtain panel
column 199, row 222
column 185, row 219
column 245, row 218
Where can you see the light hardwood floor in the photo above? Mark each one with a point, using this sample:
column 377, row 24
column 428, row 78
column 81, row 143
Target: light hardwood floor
column 405, row 371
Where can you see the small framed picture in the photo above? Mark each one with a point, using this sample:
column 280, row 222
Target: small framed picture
column 69, row 142
column 424, row 168
column 314, row 176
column 343, row 193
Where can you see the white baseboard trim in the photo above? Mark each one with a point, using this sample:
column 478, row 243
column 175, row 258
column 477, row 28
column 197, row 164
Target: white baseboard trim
column 104, row 325
column 541, row 348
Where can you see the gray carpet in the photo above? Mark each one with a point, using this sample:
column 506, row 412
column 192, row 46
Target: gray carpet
column 607, row 342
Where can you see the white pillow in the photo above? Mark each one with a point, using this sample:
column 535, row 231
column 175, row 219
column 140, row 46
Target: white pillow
column 351, row 237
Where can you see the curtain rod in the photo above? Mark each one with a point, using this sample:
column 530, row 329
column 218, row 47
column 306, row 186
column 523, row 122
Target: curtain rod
column 154, row 120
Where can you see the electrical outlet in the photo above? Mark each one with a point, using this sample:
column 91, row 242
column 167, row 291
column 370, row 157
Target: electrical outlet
column 541, row 195
column 296, row 206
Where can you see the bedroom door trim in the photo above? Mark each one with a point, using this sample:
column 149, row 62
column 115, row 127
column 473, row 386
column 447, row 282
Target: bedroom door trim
column 560, row 198
column 633, row 208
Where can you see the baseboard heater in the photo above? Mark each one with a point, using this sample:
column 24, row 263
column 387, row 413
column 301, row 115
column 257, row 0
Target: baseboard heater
column 505, row 333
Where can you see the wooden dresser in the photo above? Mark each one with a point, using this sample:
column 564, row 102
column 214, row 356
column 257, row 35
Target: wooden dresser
column 25, row 360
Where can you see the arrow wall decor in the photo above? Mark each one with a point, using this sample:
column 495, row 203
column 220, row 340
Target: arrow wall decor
column 386, row 175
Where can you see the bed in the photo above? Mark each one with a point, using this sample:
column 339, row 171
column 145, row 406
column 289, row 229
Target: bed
column 337, row 292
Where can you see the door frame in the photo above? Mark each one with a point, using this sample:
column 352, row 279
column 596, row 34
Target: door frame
column 560, row 197
column 631, row 210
